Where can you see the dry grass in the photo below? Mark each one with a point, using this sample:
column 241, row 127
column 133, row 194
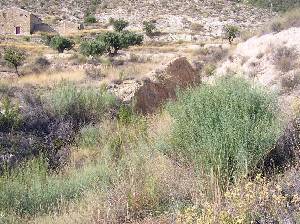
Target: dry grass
column 285, row 58
column 132, row 70
column 287, row 20
column 87, row 32
column 257, row 201
column 46, row 79
column 36, row 49
column 296, row 106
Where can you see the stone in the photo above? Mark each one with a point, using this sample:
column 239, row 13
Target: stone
column 148, row 94
column 285, row 152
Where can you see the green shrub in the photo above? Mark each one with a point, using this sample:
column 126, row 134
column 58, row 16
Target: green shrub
column 119, row 24
column 224, row 129
column 231, row 32
column 81, row 104
column 14, row 57
column 125, row 114
column 92, row 48
column 89, row 19
column 61, row 44
column 149, row 28
column 90, row 136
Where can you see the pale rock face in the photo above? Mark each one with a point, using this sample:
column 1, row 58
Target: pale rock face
column 254, row 60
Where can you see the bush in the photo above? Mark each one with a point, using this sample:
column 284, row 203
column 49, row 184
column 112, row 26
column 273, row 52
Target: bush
column 89, row 19
column 80, row 104
column 149, row 28
column 40, row 64
column 92, row 48
column 119, row 24
column 231, row 32
column 224, row 129
column 61, row 44
column 14, row 57
column 285, row 58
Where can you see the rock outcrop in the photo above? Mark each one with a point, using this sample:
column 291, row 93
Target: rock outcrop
column 148, row 94
column 285, row 152
column 271, row 60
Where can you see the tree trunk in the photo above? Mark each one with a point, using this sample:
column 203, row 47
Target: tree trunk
column 16, row 70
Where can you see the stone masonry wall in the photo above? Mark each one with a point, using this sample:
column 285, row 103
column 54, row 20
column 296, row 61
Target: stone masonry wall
column 14, row 17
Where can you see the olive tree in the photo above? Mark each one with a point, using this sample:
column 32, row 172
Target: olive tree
column 93, row 48
column 61, row 44
column 118, row 24
column 14, row 57
column 115, row 41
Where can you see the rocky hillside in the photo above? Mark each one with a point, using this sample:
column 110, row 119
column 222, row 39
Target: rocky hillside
column 273, row 61
column 189, row 17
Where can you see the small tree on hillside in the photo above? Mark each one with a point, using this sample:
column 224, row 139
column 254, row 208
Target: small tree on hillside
column 231, row 32
column 149, row 28
column 92, row 48
column 61, row 44
column 115, row 41
column 119, row 24
column 14, row 57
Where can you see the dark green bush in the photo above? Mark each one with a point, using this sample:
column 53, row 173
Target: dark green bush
column 61, row 44
column 224, row 129
column 92, row 48
column 119, row 24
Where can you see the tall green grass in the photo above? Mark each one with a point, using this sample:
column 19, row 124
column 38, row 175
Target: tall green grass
column 82, row 104
column 30, row 190
column 225, row 128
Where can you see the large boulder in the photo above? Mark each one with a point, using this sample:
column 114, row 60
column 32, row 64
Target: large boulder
column 285, row 153
column 148, row 94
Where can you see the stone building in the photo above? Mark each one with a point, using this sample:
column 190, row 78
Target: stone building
column 68, row 27
column 18, row 21
column 21, row 22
